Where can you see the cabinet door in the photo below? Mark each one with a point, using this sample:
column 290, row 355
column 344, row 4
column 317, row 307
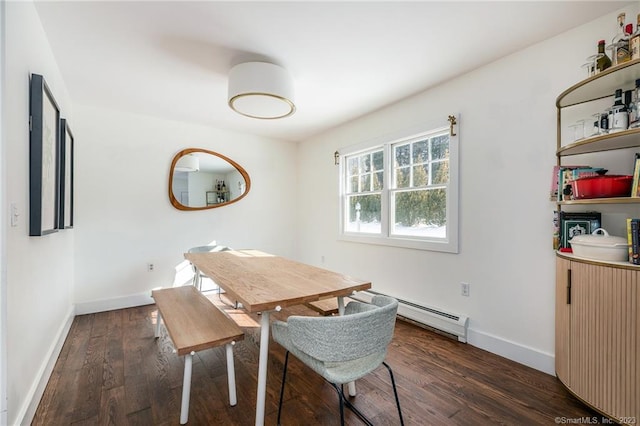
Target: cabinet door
column 604, row 341
column 563, row 310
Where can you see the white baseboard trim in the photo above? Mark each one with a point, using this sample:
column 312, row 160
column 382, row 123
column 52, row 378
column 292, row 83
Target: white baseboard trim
column 28, row 410
column 121, row 302
column 522, row 354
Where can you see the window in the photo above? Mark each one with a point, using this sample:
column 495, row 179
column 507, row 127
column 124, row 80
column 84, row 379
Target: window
column 402, row 192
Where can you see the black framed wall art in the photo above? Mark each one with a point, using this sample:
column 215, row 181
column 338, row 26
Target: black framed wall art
column 44, row 159
column 65, row 214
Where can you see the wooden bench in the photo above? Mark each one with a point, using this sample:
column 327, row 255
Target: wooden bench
column 195, row 324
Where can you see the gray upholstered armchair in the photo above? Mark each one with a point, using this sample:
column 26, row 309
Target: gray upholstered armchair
column 341, row 348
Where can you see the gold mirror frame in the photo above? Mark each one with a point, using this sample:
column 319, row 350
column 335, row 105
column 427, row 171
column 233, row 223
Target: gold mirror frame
column 178, row 205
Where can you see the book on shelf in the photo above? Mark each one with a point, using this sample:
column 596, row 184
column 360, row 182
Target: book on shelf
column 582, row 172
column 635, row 189
column 633, row 238
column 569, row 224
column 560, row 178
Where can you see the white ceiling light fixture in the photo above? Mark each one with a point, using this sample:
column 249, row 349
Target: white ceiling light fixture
column 261, row 90
column 188, row 163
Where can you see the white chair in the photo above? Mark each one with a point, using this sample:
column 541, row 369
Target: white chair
column 341, row 348
column 197, row 275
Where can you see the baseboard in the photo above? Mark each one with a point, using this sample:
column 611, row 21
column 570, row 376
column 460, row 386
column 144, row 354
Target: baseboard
column 28, row 410
column 122, row 302
column 522, row 354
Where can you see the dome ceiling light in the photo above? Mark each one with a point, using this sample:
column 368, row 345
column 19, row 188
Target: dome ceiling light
column 188, row 163
column 261, row 90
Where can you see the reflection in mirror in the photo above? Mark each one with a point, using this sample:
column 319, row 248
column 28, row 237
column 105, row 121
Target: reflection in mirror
column 202, row 179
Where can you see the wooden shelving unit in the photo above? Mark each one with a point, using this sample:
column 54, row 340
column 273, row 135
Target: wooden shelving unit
column 598, row 303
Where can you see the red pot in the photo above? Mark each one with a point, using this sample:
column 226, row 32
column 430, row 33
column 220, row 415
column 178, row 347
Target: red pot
column 601, row 186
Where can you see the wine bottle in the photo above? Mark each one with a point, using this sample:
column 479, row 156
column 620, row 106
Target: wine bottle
column 620, row 116
column 603, row 62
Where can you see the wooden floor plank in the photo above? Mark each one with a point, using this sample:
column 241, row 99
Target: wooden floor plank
column 138, row 380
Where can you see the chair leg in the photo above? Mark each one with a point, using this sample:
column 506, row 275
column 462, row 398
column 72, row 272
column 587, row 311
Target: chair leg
column 350, row 406
column 395, row 392
column 284, row 376
column 340, row 398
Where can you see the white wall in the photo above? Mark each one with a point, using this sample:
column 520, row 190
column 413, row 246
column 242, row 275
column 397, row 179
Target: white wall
column 507, row 133
column 123, row 217
column 39, row 269
column 3, row 229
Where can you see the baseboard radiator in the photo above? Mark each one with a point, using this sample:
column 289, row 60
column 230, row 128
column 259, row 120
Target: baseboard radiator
column 435, row 318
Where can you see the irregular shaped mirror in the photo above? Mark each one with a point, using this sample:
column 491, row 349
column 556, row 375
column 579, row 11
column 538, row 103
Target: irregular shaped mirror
column 201, row 179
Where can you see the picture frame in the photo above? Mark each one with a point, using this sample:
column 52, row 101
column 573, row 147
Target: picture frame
column 67, row 151
column 44, row 159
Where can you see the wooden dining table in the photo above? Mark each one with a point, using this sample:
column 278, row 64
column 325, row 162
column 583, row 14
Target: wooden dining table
column 263, row 282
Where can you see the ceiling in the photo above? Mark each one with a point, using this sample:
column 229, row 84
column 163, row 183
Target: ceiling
column 171, row 59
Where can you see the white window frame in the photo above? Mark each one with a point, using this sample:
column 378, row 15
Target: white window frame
column 448, row 244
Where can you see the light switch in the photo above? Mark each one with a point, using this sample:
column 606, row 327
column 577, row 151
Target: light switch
column 14, row 214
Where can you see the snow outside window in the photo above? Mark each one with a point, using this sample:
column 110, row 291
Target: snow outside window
column 403, row 192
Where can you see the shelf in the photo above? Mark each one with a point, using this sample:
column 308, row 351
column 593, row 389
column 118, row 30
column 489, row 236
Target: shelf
column 622, row 265
column 601, row 85
column 620, row 140
column 616, row 200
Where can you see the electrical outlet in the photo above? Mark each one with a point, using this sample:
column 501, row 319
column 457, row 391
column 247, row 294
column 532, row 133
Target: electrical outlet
column 150, row 267
column 14, row 214
column 464, row 289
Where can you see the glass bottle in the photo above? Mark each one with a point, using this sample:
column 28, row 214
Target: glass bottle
column 619, row 115
column 620, row 44
column 634, row 111
column 604, row 122
column 634, row 43
column 603, row 62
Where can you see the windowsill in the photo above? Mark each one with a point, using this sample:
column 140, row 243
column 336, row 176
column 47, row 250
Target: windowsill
column 440, row 246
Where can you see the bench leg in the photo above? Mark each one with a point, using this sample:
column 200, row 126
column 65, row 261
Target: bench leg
column 186, row 388
column 231, row 375
column 158, row 323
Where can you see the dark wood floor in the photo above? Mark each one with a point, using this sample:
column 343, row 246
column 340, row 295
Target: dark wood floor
column 112, row 371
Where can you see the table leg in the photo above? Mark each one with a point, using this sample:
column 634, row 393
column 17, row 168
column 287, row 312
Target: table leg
column 186, row 388
column 158, row 322
column 351, row 385
column 231, row 375
column 262, row 368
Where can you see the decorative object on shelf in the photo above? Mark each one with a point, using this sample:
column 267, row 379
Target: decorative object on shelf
column 65, row 215
column 44, row 167
column 261, row 90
